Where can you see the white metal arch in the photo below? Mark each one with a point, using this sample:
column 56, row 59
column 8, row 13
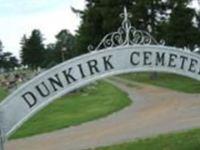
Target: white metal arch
column 75, row 73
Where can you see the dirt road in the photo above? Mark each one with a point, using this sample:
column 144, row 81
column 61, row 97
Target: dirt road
column 154, row 111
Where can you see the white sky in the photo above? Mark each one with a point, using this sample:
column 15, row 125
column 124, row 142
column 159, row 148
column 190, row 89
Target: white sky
column 18, row 17
column 196, row 4
column 21, row 17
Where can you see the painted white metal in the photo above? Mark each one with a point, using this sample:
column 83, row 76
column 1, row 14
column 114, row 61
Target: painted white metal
column 16, row 111
column 1, row 141
column 2, row 135
column 126, row 35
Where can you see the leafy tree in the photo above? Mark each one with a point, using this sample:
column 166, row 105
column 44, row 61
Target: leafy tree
column 13, row 62
column 7, row 60
column 32, row 50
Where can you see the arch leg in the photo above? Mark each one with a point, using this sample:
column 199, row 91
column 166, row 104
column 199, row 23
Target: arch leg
column 2, row 141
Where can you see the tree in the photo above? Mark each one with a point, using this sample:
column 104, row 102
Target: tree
column 7, row 60
column 170, row 20
column 1, row 46
column 61, row 50
column 198, row 27
column 1, row 54
column 97, row 20
column 13, row 62
column 162, row 18
column 102, row 16
column 64, row 47
column 180, row 31
column 32, row 50
column 24, row 53
column 50, row 58
column 198, row 19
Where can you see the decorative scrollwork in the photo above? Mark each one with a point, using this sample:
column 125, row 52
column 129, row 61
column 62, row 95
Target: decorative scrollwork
column 196, row 49
column 126, row 35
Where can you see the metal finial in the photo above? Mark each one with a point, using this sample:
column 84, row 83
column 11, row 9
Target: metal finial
column 125, row 15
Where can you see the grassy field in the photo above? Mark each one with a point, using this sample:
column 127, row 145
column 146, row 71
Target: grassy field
column 189, row 140
column 3, row 93
column 89, row 104
column 170, row 81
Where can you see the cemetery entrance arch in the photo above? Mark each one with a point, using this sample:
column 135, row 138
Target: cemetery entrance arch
column 124, row 51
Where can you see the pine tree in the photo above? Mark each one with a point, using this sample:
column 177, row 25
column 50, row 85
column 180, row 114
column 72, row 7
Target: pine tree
column 198, row 27
column 33, row 51
column 1, row 54
column 24, row 52
column 1, row 46
column 180, row 30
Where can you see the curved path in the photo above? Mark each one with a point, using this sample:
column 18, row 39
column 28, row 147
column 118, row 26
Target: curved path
column 154, row 111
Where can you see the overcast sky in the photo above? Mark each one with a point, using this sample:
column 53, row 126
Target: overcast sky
column 18, row 17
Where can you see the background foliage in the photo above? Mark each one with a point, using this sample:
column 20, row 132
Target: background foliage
column 173, row 21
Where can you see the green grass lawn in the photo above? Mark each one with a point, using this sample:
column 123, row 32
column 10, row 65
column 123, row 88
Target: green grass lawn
column 90, row 103
column 3, row 93
column 170, row 81
column 189, row 140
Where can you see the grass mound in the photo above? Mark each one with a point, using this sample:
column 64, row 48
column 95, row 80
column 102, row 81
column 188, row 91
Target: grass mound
column 92, row 102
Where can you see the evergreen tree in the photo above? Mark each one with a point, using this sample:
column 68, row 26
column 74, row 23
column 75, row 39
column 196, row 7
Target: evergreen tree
column 33, row 51
column 102, row 16
column 170, row 20
column 64, row 46
column 198, row 19
column 24, row 52
column 180, row 30
column 50, row 57
column 60, row 51
column 198, row 27
column 1, row 54
column 1, row 46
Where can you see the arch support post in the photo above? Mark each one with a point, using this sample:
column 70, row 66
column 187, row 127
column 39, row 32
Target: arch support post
column 2, row 141
column 2, row 135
